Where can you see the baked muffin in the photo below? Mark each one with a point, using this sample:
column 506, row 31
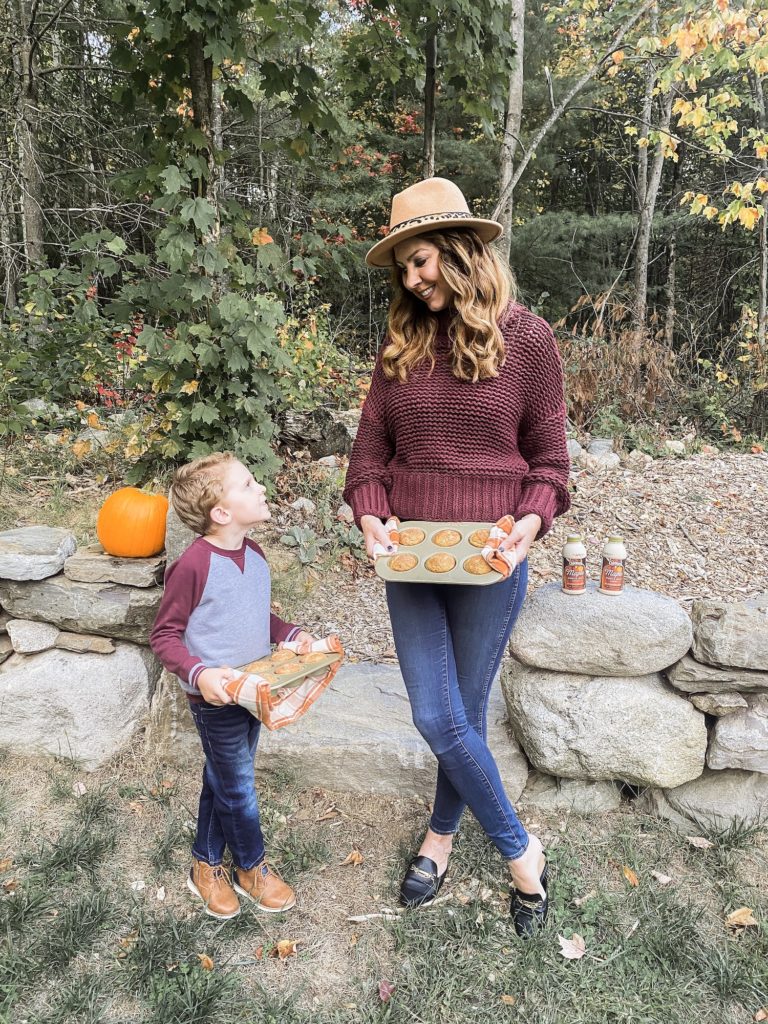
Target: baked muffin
column 479, row 538
column 312, row 659
column 440, row 563
column 283, row 670
column 402, row 563
column 411, row 535
column 280, row 657
column 446, row 538
column 259, row 667
column 477, row 565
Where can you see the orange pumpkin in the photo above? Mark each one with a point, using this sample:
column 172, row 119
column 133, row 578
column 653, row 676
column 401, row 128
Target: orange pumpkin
column 131, row 523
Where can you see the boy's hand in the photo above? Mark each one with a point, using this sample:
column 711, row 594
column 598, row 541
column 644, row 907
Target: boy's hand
column 306, row 640
column 210, row 683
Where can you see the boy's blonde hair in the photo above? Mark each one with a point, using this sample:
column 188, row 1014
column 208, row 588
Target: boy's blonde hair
column 197, row 487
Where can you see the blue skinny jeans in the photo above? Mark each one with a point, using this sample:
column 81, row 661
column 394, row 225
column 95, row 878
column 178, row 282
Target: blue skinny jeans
column 229, row 811
column 450, row 640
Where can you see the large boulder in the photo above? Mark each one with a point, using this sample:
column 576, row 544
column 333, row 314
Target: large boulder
column 693, row 676
column 34, row 552
column 715, row 799
column 731, row 634
column 107, row 609
column 360, row 736
column 741, row 739
column 633, row 633
column 556, row 796
column 595, row 727
column 83, row 706
column 92, row 564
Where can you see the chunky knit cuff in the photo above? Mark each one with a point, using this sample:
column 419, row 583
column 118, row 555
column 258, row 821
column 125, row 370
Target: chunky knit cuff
column 369, row 499
column 541, row 500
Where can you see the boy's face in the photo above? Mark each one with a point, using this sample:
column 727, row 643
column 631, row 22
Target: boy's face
column 242, row 500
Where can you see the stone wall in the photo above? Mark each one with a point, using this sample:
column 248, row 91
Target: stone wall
column 605, row 690
column 76, row 675
column 600, row 693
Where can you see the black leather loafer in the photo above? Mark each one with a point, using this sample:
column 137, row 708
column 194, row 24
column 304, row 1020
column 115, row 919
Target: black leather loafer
column 421, row 883
column 529, row 910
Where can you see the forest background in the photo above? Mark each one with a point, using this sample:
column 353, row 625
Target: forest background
column 188, row 188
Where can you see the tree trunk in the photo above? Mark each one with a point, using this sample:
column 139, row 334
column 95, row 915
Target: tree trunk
column 758, row 413
column 27, row 119
column 562, row 106
column 512, row 120
column 647, row 210
column 430, row 95
column 671, row 312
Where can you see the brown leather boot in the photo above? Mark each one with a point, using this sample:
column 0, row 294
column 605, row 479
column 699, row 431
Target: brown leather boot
column 212, row 885
column 268, row 891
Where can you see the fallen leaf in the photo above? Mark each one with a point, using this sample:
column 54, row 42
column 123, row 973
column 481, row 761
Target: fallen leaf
column 161, row 893
column 78, row 788
column 508, row 1000
column 741, row 918
column 5, row 864
column 329, row 813
column 700, row 842
column 661, row 878
column 128, row 940
column 762, row 1014
column 136, row 806
column 205, row 961
column 573, row 948
column 138, row 885
column 583, row 899
column 353, row 858
column 11, row 885
column 386, row 988
column 630, row 876
column 94, row 421
column 258, row 953
column 757, row 449
column 284, row 948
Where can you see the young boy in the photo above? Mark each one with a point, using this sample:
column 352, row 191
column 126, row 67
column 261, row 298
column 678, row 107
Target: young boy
column 214, row 617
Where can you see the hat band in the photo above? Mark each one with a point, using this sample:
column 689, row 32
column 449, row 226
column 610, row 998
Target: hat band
column 425, row 218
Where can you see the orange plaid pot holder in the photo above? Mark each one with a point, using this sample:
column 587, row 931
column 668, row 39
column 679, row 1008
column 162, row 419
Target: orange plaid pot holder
column 277, row 708
column 502, row 561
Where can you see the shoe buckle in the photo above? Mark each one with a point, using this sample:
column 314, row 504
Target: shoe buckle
column 429, row 875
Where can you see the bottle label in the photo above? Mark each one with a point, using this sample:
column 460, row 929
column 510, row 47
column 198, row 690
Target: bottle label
column 574, row 575
column 612, row 575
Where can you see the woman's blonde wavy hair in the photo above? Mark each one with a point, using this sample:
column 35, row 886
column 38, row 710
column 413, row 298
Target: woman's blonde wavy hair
column 482, row 286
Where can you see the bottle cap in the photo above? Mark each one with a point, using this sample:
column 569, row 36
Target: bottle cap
column 573, row 537
column 616, row 540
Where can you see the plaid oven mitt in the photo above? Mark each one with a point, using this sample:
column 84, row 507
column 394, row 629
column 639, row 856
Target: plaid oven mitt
column 278, row 707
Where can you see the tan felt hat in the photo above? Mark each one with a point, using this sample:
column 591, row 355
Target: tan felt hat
column 427, row 206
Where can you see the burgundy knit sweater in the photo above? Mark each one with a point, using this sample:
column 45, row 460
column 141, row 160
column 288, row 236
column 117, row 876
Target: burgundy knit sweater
column 443, row 449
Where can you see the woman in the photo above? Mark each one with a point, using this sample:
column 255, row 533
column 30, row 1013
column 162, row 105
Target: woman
column 464, row 421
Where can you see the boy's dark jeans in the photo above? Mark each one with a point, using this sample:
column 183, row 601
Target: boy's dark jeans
column 229, row 810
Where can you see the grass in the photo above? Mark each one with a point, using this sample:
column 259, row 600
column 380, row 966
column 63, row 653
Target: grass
column 79, row 946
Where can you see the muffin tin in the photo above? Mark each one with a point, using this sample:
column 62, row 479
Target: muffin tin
column 426, row 549
column 283, row 672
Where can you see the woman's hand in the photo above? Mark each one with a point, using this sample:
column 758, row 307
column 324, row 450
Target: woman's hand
column 374, row 533
column 522, row 536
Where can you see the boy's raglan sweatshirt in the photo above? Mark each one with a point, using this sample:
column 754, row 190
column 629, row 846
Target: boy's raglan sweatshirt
column 215, row 611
